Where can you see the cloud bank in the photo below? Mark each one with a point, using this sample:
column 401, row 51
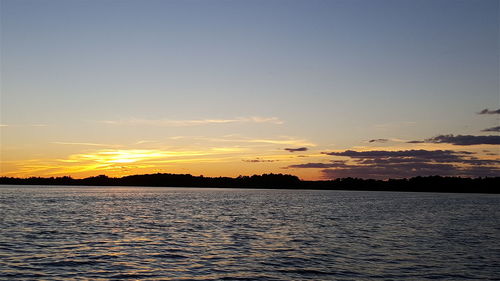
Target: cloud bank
column 384, row 164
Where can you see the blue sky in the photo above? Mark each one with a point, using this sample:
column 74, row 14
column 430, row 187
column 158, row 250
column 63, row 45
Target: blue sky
column 329, row 73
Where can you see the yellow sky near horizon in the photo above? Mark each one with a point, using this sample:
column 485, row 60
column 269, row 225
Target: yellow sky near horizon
column 224, row 156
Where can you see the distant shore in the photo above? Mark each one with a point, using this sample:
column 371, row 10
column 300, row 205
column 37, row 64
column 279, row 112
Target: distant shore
column 276, row 181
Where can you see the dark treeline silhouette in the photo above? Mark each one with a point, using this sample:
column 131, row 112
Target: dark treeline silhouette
column 417, row 184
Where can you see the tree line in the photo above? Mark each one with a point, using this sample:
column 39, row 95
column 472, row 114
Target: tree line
column 275, row 181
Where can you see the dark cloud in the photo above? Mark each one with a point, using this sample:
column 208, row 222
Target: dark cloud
column 382, row 164
column 480, row 162
column 332, row 164
column 493, row 129
column 465, row 139
column 312, row 165
column 257, row 160
column 487, row 111
column 456, row 159
column 436, row 155
column 481, row 171
column 409, row 170
column 378, row 140
column 296, row 149
column 415, row 141
column 406, row 170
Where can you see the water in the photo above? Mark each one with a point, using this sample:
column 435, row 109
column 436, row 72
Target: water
column 100, row 233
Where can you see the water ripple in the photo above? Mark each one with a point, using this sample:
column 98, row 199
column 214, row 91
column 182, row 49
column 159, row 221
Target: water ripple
column 120, row 233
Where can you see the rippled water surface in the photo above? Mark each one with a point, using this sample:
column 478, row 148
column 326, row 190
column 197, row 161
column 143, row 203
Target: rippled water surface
column 64, row 233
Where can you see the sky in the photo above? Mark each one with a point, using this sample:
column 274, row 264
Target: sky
column 318, row 89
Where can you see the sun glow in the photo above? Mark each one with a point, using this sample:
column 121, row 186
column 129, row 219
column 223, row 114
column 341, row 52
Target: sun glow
column 140, row 155
column 123, row 156
column 118, row 162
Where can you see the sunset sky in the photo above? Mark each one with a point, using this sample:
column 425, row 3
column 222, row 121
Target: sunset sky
column 317, row 89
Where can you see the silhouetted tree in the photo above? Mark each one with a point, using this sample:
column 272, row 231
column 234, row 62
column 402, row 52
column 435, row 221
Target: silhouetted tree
column 417, row 184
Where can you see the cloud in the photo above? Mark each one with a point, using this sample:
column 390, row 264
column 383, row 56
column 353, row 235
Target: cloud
column 284, row 140
column 390, row 171
column 465, row 139
column 383, row 164
column 420, row 153
column 24, row 125
column 145, row 141
column 273, row 120
column 279, row 141
column 487, row 111
column 188, row 123
column 378, row 140
column 493, row 129
column 296, row 149
column 258, row 160
column 409, row 170
column 80, row 143
column 332, row 164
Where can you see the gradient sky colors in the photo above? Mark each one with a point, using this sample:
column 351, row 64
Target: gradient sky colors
column 223, row 88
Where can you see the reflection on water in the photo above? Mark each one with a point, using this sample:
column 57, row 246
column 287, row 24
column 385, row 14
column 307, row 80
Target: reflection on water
column 64, row 233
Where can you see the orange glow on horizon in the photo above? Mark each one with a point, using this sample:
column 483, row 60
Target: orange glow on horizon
column 216, row 161
column 247, row 158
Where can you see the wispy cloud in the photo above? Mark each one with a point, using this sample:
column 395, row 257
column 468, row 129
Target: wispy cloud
column 242, row 140
column 104, row 144
column 331, row 164
column 145, row 141
column 487, row 111
column 188, row 123
column 281, row 141
column 258, row 160
column 24, row 125
column 80, row 143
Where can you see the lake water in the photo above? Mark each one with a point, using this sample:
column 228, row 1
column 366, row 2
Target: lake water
column 98, row 233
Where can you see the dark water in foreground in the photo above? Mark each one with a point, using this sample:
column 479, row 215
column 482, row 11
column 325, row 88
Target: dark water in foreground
column 64, row 233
